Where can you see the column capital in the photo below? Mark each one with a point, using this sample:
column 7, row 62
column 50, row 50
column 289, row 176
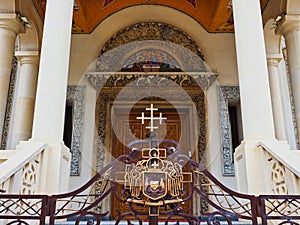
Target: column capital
column 288, row 24
column 28, row 57
column 274, row 59
column 11, row 21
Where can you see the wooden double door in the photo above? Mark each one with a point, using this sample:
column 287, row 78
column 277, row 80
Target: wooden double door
column 128, row 128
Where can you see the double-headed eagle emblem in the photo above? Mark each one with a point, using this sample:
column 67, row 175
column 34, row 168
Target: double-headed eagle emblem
column 159, row 180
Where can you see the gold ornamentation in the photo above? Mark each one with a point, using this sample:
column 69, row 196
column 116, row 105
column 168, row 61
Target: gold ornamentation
column 155, row 178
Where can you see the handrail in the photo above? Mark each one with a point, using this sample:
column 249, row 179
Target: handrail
column 289, row 158
column 17, row 161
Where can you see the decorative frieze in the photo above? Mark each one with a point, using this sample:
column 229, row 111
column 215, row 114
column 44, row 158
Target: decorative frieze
column 151, row 79
column 75, row 97
column 226, row 93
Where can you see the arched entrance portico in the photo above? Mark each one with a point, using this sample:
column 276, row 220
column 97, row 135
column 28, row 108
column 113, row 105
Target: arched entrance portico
column 142, row 64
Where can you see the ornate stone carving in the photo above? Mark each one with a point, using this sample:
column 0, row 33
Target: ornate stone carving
column 9, row 103
column 75, row 96
column 142, row 79
column 151, row 55
column 107, row 98
column 116, row 58
column 277, row 174
column 30, row 174
column 226, row 93
column 279, row 186
column 288, row 77
column 152, row 31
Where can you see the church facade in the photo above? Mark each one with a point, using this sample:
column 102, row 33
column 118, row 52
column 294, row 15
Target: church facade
column 75, row 77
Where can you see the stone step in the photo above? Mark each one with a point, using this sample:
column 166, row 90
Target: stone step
column 108, row 221
column 145, row 223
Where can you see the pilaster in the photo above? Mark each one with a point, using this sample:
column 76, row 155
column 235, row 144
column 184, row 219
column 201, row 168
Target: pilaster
column 22, row 127
column 10, row 27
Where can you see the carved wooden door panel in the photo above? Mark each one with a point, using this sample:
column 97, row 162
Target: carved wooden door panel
column 129, row 128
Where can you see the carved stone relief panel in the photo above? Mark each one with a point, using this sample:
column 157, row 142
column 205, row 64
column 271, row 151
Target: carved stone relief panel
column 226, row 93
column 277, row 174
column 75, row 96
column 141, row 79
column 115, row 59
column 151, row 56
column 30, row 174
column 152, row 31
column 148, row 37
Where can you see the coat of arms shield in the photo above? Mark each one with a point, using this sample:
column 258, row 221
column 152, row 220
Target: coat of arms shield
column 154, row 184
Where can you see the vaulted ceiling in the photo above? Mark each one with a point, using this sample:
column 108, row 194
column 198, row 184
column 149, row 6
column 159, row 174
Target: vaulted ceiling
column 213, row 15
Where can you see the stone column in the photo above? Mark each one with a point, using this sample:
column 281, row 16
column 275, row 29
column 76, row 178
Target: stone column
column 53, row 73
column 10, row 26
column 290, row 28
column 252, row 68
column 48, row 122
column 277, row 103
column 256, row 107
column 22, row 127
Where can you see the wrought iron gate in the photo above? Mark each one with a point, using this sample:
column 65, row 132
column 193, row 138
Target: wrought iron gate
column 154, row 180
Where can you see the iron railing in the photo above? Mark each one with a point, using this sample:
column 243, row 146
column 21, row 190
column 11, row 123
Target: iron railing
column 182, row 180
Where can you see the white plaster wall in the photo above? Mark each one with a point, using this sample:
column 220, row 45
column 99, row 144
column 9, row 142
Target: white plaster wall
column 219, row 53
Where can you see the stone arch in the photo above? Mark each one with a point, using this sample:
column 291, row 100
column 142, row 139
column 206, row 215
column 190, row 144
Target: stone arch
column 113, row 60
column 105, row 77
column 272, row 40
column 152, row 31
